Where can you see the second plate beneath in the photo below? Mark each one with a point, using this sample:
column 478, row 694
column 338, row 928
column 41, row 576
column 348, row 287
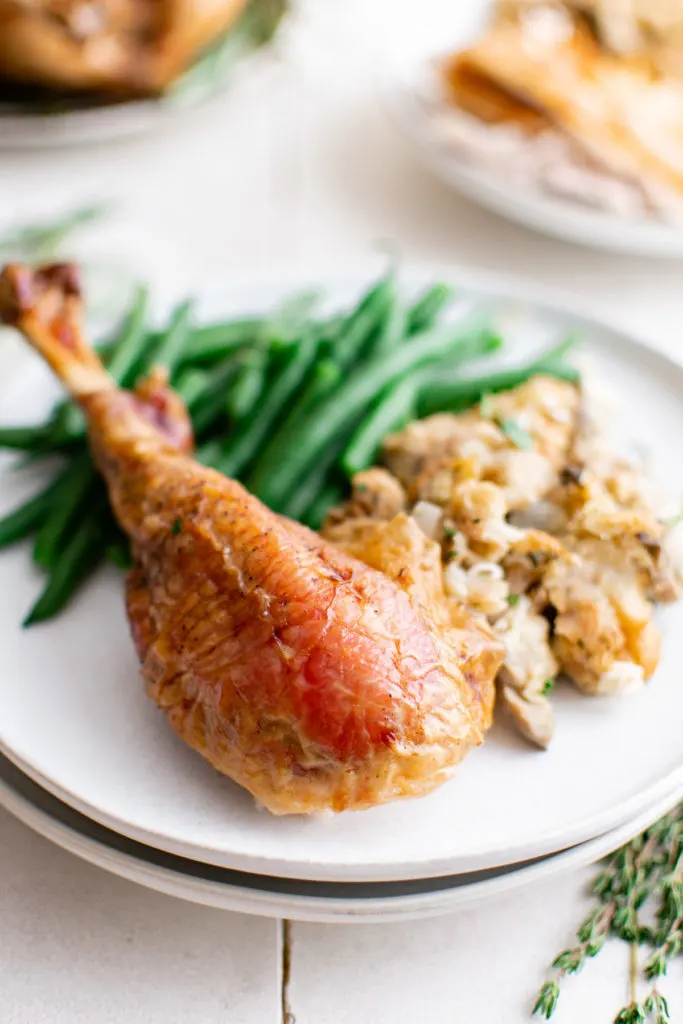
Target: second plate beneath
column 76, row 718
column 325, row 902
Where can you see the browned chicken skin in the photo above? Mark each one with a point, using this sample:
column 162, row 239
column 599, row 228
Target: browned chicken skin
column 314, row 680
column 119, row 46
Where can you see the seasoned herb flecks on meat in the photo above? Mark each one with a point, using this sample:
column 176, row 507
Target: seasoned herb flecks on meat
column 543, row 531
column 318, row 677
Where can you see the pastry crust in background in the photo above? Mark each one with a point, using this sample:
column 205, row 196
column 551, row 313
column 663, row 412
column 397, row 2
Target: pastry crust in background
column 650, row 29
column 541, row 68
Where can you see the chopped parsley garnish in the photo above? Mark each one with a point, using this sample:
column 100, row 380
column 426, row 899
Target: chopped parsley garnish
column 547, row 687
column 177, row 527
column 487, row 406
column 513, row 600
column 518, row 435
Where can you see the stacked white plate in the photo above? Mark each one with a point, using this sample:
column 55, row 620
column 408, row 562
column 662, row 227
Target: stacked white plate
column 23, row 128
column 90, row 762
column 297, row 899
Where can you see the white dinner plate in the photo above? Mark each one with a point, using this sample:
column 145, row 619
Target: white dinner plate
column 76, row 718
column 326, row 902
column 436, row 29
column 118, row 122
column 89, row 126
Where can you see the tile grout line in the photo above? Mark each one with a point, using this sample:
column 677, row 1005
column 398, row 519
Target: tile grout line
column 286, row 1015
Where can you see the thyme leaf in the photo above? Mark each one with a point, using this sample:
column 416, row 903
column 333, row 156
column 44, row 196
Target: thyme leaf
column 35, row 242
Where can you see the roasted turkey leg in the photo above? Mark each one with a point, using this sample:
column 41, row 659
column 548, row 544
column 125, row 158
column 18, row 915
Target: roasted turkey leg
column 309, row 678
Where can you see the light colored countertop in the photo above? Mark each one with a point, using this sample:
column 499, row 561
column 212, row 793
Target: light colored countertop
column 298, row 167
column 80, row 946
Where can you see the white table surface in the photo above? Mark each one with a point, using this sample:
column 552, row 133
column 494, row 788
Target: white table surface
column 297, row 168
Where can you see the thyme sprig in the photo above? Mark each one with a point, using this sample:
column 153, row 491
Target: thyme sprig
column 42, row 241
column 645, row 873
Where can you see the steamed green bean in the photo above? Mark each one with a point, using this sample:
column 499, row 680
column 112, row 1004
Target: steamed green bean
column 242, row 446
column 209, row 405
column 26, row 439
column 278, row 452
column 425, row 311
column 247, row 385
column 214, row 342
column 173, row 342
column 394, row 409
column 77, row 559
column 75, row 483
column 361, row 324
column 290, row 403
column 299, row 448
column 127, row 353
column 24, row 520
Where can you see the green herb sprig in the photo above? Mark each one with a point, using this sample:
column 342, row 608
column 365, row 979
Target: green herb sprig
column 256, row 28
column 42, row 241
column 646, row 873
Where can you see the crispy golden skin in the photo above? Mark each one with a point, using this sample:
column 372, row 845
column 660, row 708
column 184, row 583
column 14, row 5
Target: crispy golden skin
column 314, row 680
column 118, row 46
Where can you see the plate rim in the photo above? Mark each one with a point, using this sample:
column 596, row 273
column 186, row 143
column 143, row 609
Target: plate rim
column 503, row 287
column 115, row 122
column 304, row 907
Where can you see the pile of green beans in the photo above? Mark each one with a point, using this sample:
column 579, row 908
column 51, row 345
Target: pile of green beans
column 291, row 404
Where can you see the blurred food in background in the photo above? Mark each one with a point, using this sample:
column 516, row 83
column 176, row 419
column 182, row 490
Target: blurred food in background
column 66, row 53
column 583, row 98
column 650, row 29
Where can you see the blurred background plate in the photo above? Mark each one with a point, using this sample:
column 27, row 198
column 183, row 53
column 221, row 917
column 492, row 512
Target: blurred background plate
column 37, row 119
column 405, row 71
column 77, row 720
column 27, row 130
